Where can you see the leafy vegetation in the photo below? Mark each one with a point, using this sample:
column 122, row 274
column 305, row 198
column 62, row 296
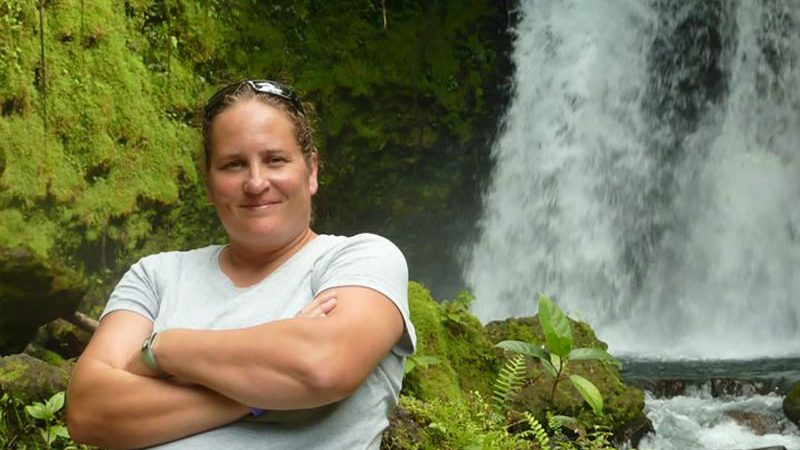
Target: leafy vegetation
column 441, row 409
column 557, row 352
column 508, row 382
column 39, row 425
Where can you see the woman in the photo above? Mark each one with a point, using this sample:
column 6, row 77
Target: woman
column 193, row 346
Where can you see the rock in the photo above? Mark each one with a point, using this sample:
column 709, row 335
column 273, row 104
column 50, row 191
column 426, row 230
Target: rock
column 28, row 379
column 791, row 404
column 403, row 431
column 456, row 357
column 761, row 424
column 721, row 387
column 465, row 358
column 623, row 404
column 667, row 388
column 33, row 292
column 64, row 338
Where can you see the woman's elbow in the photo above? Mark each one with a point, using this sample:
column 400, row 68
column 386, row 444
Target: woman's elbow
column 79, row 424
column 335, row 381
column 86, row 427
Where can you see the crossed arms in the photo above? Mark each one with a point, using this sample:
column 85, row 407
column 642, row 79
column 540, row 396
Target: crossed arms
column 114, row 401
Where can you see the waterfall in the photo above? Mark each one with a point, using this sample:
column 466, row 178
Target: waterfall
column 647, row 176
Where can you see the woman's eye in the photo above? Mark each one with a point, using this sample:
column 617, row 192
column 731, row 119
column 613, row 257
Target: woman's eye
column 273, row 160
column 233, row 165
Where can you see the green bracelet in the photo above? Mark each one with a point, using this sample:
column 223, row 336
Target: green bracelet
column 148, row 357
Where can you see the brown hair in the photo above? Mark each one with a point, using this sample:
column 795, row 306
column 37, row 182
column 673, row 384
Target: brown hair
column 303, row 126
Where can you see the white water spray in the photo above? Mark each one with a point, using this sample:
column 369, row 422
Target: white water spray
column 671, row 240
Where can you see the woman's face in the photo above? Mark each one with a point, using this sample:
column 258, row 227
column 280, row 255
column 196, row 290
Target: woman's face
column 258, row 179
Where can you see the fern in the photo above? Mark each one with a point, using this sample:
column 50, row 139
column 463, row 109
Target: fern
column 508, row 382
column 537, row 431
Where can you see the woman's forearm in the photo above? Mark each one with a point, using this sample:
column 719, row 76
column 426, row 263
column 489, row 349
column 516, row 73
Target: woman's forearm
column 288, row 364
column 110, row 407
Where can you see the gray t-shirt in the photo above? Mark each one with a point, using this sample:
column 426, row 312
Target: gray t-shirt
column 188, row 290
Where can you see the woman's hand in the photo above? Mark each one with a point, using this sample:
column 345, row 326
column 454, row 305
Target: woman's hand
column 319, row 307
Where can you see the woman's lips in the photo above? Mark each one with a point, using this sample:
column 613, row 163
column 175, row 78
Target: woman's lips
column 259, row 205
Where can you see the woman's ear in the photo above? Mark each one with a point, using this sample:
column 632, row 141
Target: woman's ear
column 313, row 163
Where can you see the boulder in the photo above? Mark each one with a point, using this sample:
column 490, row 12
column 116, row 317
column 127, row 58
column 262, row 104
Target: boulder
column 28, row 379
column 791, row 404
column 64, row 338
column 760, row 424
column 454, row 354
column 623, row 404
column 722, row 387
column 33, row 292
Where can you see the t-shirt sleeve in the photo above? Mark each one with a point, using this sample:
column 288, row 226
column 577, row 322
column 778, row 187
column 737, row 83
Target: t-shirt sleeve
column 371, row 261
column 137, row 291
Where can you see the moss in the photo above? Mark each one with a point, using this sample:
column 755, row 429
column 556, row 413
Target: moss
column 436, row 379
column 791, row 404
column 29, row 379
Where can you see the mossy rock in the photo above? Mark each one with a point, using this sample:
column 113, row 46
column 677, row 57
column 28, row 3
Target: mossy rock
column 33, row 291
column 791, row 404
column 64, row 338
column 28, row 379
column 447, row 332
column 623, row 404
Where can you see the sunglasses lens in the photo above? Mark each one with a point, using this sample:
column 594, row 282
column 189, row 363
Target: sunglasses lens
column 261, row 86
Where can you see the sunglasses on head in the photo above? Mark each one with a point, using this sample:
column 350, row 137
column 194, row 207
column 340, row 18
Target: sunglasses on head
column 260, row 86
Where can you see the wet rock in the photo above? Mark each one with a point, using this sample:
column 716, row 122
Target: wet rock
column 791, row 404
column 33, row 292
column 28, row 379
column 665, row 388
column 760, row 424
column 721, row 387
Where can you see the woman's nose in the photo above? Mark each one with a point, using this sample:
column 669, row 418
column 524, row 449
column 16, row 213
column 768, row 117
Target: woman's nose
column 256, row 182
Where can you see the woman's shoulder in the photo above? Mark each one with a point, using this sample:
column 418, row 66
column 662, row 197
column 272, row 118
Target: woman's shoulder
column 358, row 242
column 366, row 251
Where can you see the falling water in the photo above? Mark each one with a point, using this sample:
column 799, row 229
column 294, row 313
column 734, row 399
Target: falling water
column 648, row 176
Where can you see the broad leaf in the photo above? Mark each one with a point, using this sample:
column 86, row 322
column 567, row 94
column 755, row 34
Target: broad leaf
column 60, row 431
column 38, row 411
column 526, row 348
column 55, row 403
column 556, row 361
column 557, row 421
column 589, row 392
column 556, row 327
column 410, row 365
column 548, row 367
column 585, row 353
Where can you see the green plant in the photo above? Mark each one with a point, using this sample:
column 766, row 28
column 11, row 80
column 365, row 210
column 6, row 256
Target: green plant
column 557, row 352
column 48, row 413
column 457, row 311
column 420, row 361
column 537, row 431
column 598, row 439
column 508, row 382
column 13, row 425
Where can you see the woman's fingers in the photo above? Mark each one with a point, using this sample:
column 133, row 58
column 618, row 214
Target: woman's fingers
column 319, row 307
